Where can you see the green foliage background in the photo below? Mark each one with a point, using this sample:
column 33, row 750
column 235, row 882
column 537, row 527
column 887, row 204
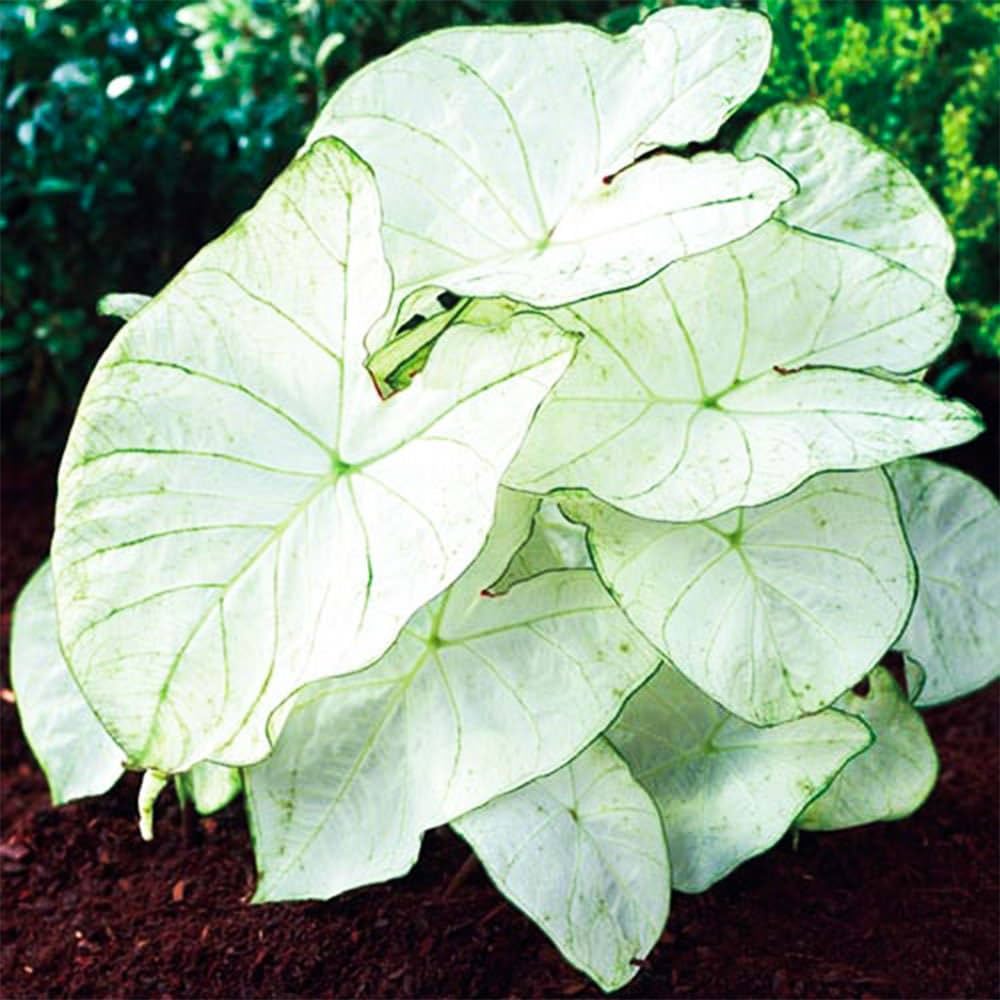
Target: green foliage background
column 133, row 131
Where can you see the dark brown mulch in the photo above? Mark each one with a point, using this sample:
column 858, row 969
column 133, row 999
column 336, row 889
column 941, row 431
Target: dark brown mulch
column 897, row 910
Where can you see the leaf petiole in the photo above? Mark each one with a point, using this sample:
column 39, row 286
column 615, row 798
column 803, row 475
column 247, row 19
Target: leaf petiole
column 153, row 783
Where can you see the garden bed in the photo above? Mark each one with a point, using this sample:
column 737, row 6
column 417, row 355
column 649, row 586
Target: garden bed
column 906, row 909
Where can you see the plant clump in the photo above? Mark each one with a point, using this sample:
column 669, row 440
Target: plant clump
column 508, row 467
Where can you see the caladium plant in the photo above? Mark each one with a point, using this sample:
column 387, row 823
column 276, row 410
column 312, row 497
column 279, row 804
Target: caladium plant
column 510, row 468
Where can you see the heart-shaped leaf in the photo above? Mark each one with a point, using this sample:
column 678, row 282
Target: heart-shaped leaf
column 774, row 611
column 726, row 380
column 506, row 157
column 239, row 512
column 726, row 790
column 893, row 777
column 953, row 524
column 477, row 696
column 582, row 853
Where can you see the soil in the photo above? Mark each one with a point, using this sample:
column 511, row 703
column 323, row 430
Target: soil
column 908, row 909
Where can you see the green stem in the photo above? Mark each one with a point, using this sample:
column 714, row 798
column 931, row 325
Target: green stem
column 180, row 787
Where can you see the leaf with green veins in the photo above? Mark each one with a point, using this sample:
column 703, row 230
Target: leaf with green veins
column 893, row 777
column 554, row 543
column 726, row 380
column 953, row 524
column 726, row 790
column 850, row 189
column 239, row 512
column 582, row 853
column 773, row 611
column 69, row 743
column 526, row 184
column 476, row 697
column 211, row 787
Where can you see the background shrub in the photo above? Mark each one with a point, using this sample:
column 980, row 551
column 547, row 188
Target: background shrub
column 133, row 132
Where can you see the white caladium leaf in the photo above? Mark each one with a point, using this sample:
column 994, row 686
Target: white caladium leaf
column 774, row 611
column 725, row 381
column 726, row 790
column 519, row 175
column 477, row 696
column 239, row 512
column 850, row 189
column 212, row 787
column 554, row 543
column 953, row 524
column 77, row 756
column 582, row 853
column 893, row 777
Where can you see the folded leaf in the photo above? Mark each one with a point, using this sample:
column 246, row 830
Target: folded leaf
column 477, row 696
column 554, row 543
column 850, row 189
column 953, row 524
column 726, row 381
column 893, row 777
column 582, row 853
column 499, row 181
column 773, row 611
column 71, row 746
column 726, row 790
column 239, row 512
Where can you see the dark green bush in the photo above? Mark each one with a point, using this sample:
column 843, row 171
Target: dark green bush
column 135, row 131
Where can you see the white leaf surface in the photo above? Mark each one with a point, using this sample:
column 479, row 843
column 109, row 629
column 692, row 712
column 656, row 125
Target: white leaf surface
column 69, row 743
column 505, row 155
column 554, row 543
column 893, row 777
column 850, row 189
column 212, row 786
column 477, row 696
column 773, row 611
column 953, row 524
column 239, row 512
column 726, row 790
column 122, row 305
column 582, row 853
column 725, row 381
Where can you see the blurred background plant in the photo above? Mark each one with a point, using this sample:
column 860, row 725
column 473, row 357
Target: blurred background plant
column 133, row 131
